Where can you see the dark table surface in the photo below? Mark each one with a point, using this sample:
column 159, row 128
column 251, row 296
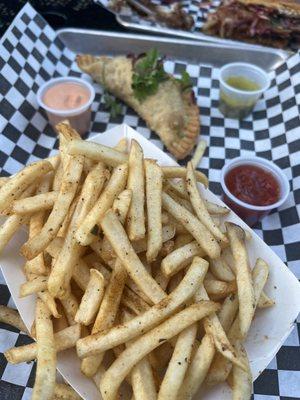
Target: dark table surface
column 62, row 13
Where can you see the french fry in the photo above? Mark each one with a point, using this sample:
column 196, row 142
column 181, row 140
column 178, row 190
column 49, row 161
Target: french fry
column 33, row 204
column 219, row 289
column 242, row 380
column 205, row 239
column 182, row 239
column 107, row 313
column 70, row 305
column 64, row 339
column 213, row 327
column 114, row 187
column 199, row 205
column 180, row 172
column 121, row 145
column 178, row 364
column 116, row 235
column 220, row 270
column 10, row 227
column 58, row 177
column 178, row 188
column 97, row 152
column 65, row 392
column 215, row 209
column 91, row 299
column 228, row 311
column 133, row 302
column 67, row 192
column 116, row 373
column 121, row 205
column 198, row 153
column 136, row 215
column 243, row 277
column 198, row 368
column 180, row 258
column 14, row 187
column 265, row 301
column 141, row 376
column 186, row 289
column 34, row 285
column 46, row 297
column 12, row 317
column 46, row 355
column 153, row 175
column 63, row 230
column 221, row 367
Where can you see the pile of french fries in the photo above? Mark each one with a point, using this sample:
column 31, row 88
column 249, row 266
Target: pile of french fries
column 133, row 267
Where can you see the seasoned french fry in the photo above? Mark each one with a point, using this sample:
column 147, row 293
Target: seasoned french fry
column 106, row 315
column 121, row 145
column 115, row 374
column 215, row 209
column 67, row 192
column 10, row 227
column 64, row 339
column 219, row 289
column 199, row 205
column 228, row 311
column 46, row 297
column 14, row 187
column 44, row 384
column 12, row 317
column 220, row 270
column 198, row 153
column 242, row 380
column 91, row 299
column 198, row 368
column 35, row 285
column 141, row 376
column 121, row 205
column 136, row 215
column 116, row 234
column 180, row 172
column 186, row 289
column 65, row 392
column 265, row 301
column 154, row 177
column 243, row 276
column 113, row 188
column 180, row 258
column 97, row 152
column 70, row 305
column 178, row 364
column 205, row 239
column 214, row 328
column 33, row 204
column 178, row 188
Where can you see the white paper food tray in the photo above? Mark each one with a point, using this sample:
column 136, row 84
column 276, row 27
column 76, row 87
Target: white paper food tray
column 270, row 327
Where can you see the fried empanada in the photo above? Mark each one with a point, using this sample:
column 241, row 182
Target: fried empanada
column 171, row 111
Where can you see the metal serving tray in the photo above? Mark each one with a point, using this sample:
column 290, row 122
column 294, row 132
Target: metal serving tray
column 188, row 51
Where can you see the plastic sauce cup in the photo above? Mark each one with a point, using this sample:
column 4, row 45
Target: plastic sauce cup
column 248, row 212
column 80, row 117
column 238, row 103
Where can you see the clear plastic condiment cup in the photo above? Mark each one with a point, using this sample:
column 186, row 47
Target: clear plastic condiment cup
column 79, row 118
column 238, row 103
column 248, row 212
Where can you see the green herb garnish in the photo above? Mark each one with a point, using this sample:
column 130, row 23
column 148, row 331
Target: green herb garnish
column 148, row 73
column 112, row 104
column 185, row 81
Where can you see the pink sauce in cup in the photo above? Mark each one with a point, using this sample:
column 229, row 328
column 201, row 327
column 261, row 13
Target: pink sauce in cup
column 67, row 98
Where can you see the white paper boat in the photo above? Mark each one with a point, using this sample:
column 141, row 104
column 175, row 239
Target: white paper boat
column 270, row 327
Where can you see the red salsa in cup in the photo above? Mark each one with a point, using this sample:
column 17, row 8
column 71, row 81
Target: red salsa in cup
column 253, row 185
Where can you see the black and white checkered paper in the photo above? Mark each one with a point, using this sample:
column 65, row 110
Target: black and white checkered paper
column 30, row 54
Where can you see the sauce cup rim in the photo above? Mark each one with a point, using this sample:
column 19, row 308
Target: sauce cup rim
column 65, row 113
column 266, row 165
column 240, row 91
